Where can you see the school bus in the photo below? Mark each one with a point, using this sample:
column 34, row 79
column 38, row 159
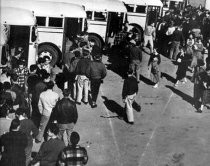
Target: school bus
column 56, row 23
column 142, row 12
column 104, row 17
column 17, row 30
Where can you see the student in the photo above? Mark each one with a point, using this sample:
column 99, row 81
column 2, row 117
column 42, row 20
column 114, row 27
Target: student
column 154, row 61
column 73, row 154
column 182, row 61
column 130, row 89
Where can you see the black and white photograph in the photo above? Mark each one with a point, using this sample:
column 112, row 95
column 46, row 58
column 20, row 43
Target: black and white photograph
column 105, row 83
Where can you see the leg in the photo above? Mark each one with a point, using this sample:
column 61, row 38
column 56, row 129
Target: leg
column 171, row 51
column 69, row 130
column 129, row 108
column 43, row 125
column 95, row 85
column 86, row 89
column 176, row 51
column 80, row 86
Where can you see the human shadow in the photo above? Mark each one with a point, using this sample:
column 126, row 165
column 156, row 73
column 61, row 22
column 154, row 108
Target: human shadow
column 114, row 107
column 168, row 77
column 184, row 96
column 146, row 80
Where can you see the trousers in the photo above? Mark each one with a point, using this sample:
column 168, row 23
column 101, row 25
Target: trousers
column 82, row 86
column 129, row 108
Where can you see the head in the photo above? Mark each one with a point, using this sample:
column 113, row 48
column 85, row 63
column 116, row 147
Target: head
column 47, row 60
column 82, row 44
column 46, row 76
column 155, row 51
column 21, row 64
column 15, row 125
column 20, row 113
column 53, row 130
column 40, row 61
column 6, row 85
column 14, row 78
column 132, row 42
column 199, row 40
column 33, row 68
column 181, row 49
column 66, row 93
column 85, row 52
column 50, row 85
column 74, row 138
column 77, row 54
column 190, row 36
column 92, row 42
column 152, row 24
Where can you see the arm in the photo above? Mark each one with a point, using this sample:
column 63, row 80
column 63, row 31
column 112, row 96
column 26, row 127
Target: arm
column 104, row 72
column 124, row 91
column 85, row 160
column 40, row 106
column 34, row 129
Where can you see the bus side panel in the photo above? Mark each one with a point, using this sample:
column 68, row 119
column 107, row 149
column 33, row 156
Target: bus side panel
column 137, row 18
column 54, row 36
column 97, row 27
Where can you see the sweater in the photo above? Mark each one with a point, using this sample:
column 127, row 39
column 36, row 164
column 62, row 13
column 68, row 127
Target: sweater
column 130, row 86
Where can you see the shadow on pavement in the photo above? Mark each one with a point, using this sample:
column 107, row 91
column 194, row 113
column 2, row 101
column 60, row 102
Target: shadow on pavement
column 114, row 107
column 146, row 80
column 184, row 96
column 168, row 77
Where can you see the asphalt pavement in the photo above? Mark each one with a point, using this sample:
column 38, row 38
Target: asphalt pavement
column 167, row 131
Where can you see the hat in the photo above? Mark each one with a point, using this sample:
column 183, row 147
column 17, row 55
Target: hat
column 133, row 42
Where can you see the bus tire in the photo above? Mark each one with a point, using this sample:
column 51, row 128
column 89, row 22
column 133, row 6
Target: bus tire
column 47, row 50
column 96, row 39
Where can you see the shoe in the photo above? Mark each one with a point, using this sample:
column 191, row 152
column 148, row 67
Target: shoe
column 199, row 111
column 155, row 86
column 93, row 105
column 131, row 123
column 85, row 102
column 78, row 103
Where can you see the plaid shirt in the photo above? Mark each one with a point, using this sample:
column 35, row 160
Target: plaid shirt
column 22, row 74
column 73, row 156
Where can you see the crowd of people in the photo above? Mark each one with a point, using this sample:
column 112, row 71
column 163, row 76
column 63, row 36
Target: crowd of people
column 41, row 102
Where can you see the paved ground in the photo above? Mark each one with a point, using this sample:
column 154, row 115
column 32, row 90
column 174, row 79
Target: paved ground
column 167, row 131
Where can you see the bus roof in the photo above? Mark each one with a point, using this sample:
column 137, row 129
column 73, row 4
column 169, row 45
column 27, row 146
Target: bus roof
column 15, row 16
column 51, row 9
column 153, row 3
column 137, row 2
column 97, row 5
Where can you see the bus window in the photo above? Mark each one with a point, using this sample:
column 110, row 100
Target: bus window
column 89, row 15
column 99, row 16
column 41, row 21
column 130, row 8
column 55, row 22
column 140, row 9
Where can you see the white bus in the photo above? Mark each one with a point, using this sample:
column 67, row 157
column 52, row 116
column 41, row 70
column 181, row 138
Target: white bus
column 142, row 12
column 55, row 21
column 17, row 30
column 172, row 4
column 104, row 17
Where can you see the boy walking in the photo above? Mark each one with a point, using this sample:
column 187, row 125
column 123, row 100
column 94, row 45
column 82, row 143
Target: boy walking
column 130, row 89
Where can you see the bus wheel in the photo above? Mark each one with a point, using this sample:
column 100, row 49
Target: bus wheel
column 96, row 39
column 47, row 50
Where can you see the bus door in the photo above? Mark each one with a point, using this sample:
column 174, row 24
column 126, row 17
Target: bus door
column 72, row 27
column 153, row 13
column 114, row 23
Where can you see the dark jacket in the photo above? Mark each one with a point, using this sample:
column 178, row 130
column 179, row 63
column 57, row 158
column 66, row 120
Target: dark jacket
column 96, row 70
column 65, row 111
column 82, row 66
column 49, row 151
column 135, row 53
column 130, row 86
column 14, row 144
column 177, row 36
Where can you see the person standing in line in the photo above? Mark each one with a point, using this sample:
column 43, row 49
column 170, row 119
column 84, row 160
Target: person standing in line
column 5, row 121
column 96, row 73
column 14, row 144
column 129, row 92
column 82, row 79
column 154, row 61
column 135, row 59
column 38, row 89
column 66, row 115
column 50, row 150
column 150, row 35
column 73, row 154
column 177, row 39
column 28, row 127
column 47, row 102
column 182, row 61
